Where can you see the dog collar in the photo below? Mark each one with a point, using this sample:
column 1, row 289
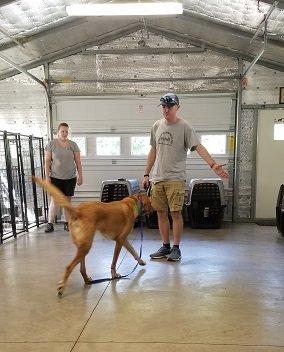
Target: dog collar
column 138, row 207
column 136, row 210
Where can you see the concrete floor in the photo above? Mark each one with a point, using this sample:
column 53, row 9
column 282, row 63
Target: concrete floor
column 227, row 294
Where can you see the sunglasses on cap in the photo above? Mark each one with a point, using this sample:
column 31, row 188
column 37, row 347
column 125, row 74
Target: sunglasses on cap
column 168, row 102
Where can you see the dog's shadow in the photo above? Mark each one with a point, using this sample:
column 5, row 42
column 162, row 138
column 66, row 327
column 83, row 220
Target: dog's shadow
column 132, row 283
column 112, row 283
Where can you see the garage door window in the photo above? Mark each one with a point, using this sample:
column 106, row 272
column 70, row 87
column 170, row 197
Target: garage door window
column 214, row 143
column 108, row 146
column 279, row 131
column 140, row 145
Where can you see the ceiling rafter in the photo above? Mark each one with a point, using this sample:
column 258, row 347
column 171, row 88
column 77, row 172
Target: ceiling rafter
column 228, row 28
column 6, row 2
column 60, row 27
column 280, row 3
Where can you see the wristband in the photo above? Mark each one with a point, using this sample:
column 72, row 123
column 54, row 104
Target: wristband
column 213, row 165
column 146, row 175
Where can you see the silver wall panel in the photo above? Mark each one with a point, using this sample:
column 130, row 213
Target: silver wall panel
column 23, row 105
column 262, row 87
column 90, row 73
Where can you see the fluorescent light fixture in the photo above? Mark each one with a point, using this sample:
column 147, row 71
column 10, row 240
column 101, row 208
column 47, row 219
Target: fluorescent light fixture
column 126, row 9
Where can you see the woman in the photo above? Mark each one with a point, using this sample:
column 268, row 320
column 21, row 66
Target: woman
column 62, row 160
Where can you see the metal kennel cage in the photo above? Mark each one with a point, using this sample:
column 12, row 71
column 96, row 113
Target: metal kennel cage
column 22, row 204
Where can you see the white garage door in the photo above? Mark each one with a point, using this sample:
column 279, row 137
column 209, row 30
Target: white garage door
column 123, row 118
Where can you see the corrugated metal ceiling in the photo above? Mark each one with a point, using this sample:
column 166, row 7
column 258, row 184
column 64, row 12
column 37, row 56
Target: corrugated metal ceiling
column 33, row 32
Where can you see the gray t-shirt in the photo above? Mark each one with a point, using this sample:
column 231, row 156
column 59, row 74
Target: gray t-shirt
column 62, row 159
column 171, row 142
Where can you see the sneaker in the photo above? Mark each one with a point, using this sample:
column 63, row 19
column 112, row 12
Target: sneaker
column 175, row 255
column 161, row 253
column 66, row 226
column 49, row 227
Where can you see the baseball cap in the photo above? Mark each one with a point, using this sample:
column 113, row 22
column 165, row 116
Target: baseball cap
column 169, row 100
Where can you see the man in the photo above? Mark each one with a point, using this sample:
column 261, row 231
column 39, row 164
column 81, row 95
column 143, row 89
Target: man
column 171, row 137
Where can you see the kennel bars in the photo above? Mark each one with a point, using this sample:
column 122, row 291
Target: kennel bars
column 22, row 204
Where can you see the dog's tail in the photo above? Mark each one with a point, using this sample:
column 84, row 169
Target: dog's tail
column 57, row 195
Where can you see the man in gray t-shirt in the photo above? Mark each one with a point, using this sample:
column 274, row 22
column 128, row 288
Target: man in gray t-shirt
column 171, row 141
column 171, row 137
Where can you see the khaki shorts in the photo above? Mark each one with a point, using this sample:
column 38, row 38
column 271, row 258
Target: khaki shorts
column 168, row 194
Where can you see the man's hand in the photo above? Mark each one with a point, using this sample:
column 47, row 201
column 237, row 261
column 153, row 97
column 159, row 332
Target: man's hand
column 145, row 182
column 220, row 171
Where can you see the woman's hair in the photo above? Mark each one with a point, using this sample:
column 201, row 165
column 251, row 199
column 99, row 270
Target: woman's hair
column 62, row 124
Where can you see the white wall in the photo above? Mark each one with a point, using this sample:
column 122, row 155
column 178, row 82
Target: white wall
column 269, row 164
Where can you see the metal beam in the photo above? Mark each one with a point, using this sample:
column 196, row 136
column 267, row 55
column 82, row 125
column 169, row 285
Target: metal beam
column 153, row 79
column 6, row 2
column 280, row 4
column 48, row 100
column 143, row 51
column 7, row 34
column 206, row 22
column 263, row 23
column 54, row 30
column 237, row 150
column 263, row 106
column 22, row 70
column 254, row 61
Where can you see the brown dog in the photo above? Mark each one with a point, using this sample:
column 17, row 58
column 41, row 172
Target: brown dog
column 114, row 220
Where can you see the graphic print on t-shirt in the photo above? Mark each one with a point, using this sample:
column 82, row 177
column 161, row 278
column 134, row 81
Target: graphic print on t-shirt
column 166, row 138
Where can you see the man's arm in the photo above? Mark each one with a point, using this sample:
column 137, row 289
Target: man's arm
column 217, row 168
column 150, row 162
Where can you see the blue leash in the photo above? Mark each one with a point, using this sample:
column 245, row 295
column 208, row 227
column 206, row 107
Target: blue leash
column 98, row 281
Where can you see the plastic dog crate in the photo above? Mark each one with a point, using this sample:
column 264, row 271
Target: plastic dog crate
column 152, row 220
column 112, row 190
column 206, row 203
column 280, row 210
